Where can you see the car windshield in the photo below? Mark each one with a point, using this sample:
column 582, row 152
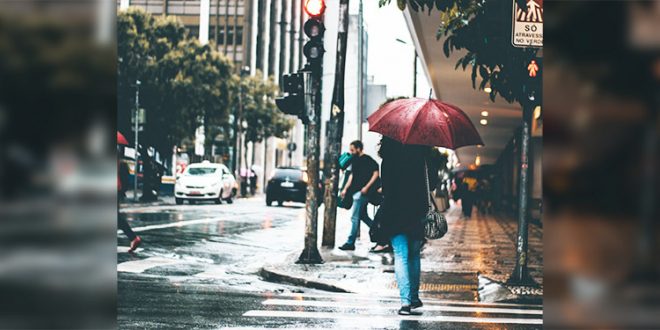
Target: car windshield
column 292, row 174
column 201, row 170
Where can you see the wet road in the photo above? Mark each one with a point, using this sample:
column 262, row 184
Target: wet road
column 198, row 268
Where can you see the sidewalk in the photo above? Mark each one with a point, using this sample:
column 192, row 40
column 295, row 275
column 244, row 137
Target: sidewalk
column 470, row 263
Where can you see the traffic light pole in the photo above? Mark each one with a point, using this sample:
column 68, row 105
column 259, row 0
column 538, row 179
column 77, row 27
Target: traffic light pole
column 520, row 274
column 335, row 132
column 312, row 87
column 531, row 92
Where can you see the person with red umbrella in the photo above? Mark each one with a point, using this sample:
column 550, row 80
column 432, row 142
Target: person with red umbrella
column 410, row 129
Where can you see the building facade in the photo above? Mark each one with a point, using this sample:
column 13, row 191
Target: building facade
column 264, row 36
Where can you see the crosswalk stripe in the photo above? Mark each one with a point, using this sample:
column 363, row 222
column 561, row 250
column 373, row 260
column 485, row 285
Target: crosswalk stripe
column 316, row 303
column 177, row 224
column 124, row 249
column 334, row 315
column 140, row 266
column 352, row 296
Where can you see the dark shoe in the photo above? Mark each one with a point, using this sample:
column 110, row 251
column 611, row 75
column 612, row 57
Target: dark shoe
column 381, row 249
column 417, row 304
column 135, row 243
column 347, row 247
column 405, row 310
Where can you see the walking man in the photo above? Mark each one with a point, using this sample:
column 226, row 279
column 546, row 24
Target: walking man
column 364, row 174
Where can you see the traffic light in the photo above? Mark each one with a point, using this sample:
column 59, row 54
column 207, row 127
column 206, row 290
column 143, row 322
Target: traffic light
column 533, row 86
column 293, row 101
column 314, row 30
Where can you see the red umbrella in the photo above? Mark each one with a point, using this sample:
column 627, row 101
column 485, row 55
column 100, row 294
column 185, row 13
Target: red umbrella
column 424, row 122
column 121, row 140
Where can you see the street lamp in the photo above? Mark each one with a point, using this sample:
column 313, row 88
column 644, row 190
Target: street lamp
column 237, row 119
column 414, row 67
column 135, row 125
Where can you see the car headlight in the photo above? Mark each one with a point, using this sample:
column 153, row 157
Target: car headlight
column 215, row 184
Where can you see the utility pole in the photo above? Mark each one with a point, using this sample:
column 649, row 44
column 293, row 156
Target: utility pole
column 137, row 111
column 335, row 131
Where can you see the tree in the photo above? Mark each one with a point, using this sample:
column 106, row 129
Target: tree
column 184, row 84
column 259, row 110
column 477, row 26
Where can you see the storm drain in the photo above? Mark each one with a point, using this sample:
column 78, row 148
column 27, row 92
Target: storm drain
column 435, row 287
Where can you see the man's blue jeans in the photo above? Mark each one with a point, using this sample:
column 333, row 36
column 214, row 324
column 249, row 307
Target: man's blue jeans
column 359, row 202
column 407, row 267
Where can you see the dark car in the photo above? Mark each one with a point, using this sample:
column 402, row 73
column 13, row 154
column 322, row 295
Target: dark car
column 289, row 184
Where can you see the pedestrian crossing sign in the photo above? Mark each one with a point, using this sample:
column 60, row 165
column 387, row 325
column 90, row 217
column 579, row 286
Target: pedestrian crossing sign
column 527, row 25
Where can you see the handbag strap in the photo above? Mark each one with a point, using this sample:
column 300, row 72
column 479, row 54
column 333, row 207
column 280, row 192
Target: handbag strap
column 431, row 202
column 428, row 184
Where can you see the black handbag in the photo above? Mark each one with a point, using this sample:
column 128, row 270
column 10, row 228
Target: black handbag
column 373, row 196
column 435, row 223
column 376, row 231
column 345, row 202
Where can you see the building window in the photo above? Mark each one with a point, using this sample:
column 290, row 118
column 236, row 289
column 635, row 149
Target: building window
column 221, row 34
column 230, row 35
column 193, row 31
column 239, row 35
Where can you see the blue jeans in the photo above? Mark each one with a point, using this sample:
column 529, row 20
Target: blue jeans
column 359, row 202
column 407, row 267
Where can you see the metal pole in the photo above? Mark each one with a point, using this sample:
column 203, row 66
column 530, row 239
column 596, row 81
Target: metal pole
column 645, row 265
column 335, row 132
column 137, row 110
column 310, row 254
column 520, row 274
column 360, row 76
column 415, row 73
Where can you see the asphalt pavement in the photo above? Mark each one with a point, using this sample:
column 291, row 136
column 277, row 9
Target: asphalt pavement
column 198, row 268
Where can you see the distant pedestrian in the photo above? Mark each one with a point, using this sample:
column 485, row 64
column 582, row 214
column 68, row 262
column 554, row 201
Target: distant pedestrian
column 151, row 178
column 404, row 207
column 122, row 186
column 362, row 178
column 122, row 180
column 468, row 195
column 253, row 181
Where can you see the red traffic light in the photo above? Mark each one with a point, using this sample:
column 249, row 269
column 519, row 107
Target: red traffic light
column 533, row 68
column 314, row 8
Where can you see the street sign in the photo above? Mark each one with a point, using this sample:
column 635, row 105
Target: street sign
column 292, row 146
column 527, row 26
column 142, row 117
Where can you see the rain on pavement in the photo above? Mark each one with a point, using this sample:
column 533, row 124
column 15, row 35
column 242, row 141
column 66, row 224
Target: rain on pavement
column 198, row 268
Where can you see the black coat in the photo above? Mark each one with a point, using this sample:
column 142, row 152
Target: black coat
column 406, row 198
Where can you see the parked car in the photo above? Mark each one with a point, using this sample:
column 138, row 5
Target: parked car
column 289, row 184
column 205, row 181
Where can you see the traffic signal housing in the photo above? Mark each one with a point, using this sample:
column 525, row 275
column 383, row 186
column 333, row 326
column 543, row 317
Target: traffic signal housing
column 314, row 30
column 533, row 86
column 293, row 100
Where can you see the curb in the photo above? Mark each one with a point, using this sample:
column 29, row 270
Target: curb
column 276, row 277
column 493, row 291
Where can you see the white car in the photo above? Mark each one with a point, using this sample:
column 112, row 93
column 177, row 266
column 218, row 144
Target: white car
column 205, row 181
